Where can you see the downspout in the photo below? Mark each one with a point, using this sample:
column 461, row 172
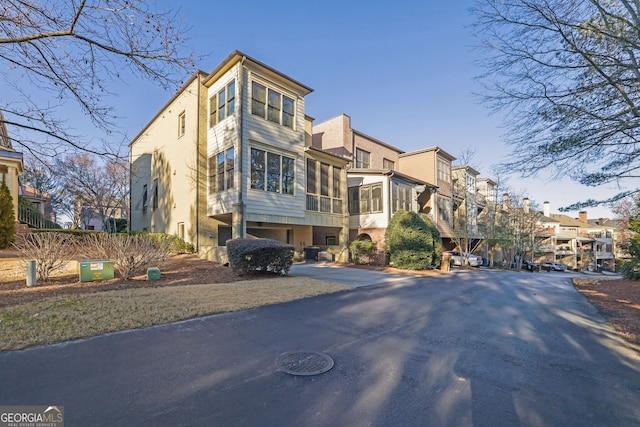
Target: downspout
column 198, row 131
column 243, row 226
column 390, row 196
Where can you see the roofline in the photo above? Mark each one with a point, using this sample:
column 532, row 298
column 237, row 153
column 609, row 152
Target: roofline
column 323, row 153
column 437, row 149
column 169, row 102
column 390, row 173
column 377, row 141
column 235, row 57
column 466, row 167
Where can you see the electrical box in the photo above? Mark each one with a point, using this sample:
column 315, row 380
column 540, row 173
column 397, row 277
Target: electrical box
column 153, row 273
column 94, row 270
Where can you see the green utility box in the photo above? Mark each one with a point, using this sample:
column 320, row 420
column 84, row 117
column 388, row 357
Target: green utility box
column 94, row 270
column 153, row 273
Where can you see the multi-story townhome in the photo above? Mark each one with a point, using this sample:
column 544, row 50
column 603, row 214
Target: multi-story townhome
column 619, row 232
column 377, row 189
column 433, row 165
column 230, row 156
column 602, row 244
column 465, row 199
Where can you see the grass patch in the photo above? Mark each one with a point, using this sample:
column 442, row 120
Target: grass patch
column 58, row 319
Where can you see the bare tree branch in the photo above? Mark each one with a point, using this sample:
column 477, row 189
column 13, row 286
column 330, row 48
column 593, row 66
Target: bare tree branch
column 565, row 75
column 54, row 51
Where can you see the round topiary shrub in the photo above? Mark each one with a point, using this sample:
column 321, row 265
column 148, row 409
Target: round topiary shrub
column 411, row 242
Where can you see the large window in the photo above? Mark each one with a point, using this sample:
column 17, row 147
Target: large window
column 272, row 172
column 222, row 104
column 272, row 105
column 323, row 187
column 221, row 171
column 444, row 171
column 362, row 159
column 365, row 199
column 401, row 198
column 445, row 210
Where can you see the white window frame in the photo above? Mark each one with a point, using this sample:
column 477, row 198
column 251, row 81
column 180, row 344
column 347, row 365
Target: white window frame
column 273, row 105
column 182, row 124
column 218, row 111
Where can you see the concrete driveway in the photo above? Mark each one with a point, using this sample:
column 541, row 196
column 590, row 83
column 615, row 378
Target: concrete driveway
column 473, row 348
column 354, row 277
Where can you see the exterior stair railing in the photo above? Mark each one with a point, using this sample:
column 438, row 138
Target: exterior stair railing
column 34, row 218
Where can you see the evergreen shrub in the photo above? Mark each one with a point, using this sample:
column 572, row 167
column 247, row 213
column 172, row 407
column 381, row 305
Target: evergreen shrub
column 254, row 255
column 363, row 251
column 7, row 218
column 412, row 241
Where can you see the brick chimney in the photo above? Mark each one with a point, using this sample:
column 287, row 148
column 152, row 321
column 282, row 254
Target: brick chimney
column 546, row 209
column 582, row 216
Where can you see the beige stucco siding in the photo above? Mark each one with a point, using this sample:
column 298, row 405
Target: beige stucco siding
column 162, row 153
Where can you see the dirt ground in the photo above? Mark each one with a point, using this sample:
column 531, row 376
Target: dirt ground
column 176, row 271
column 617, row 300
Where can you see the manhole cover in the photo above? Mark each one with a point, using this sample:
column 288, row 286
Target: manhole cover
column 304, row 363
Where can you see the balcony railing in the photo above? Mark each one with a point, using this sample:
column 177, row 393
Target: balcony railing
column 34, row 218
column 323, row 204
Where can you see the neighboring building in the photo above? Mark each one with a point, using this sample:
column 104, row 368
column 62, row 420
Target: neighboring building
column 433, row 165
column 40, row 201
column 11, row 165
column 465, row 201
column 377, row 189
column 230, row 156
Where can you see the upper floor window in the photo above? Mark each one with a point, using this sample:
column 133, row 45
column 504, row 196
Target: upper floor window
column 471, row 184
column 363, row 159
column 221, row 171
column 272, row 105
column 271, row 172
column 444, row 171
column 222, row 104
column 182, row 124
column 388, row 164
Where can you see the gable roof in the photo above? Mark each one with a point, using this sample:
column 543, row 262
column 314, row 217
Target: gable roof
column 237, row 56
column 568, row 221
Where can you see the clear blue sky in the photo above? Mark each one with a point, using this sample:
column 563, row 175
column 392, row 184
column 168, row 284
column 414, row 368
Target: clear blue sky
column 403, row 70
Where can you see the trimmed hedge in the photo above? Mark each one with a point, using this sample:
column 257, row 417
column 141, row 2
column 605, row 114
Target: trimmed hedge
column 266, row 255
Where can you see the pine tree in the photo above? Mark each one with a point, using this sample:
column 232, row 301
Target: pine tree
column 7, row 218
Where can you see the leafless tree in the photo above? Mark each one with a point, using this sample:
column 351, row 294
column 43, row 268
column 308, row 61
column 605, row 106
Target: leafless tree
column 53, row 52
column 566, row 75
column 96, row 186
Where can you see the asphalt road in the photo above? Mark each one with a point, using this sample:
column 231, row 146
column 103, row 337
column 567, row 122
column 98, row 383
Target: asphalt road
column 473, row 348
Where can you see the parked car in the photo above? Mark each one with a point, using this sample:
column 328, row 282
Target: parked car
column 554, row 266
column 457, row 258
column 530, row 265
